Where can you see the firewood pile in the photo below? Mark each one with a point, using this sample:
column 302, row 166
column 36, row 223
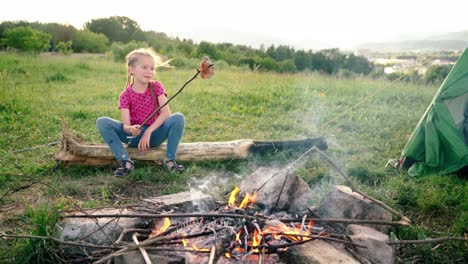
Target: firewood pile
column 237, row 232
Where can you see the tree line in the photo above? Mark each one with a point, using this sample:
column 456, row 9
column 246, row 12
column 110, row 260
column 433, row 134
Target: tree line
column 120, row 34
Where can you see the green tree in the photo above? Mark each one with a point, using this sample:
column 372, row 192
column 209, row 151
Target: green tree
column 358, row 64
column 301, row 60
column 26, row 39
column 284, row 53
column 59, row 33
column 116, row 28
column 436, row 74
column 207, row 49
column 159, row 41
column 12, row 24
column 185, row 48
column 87, row 41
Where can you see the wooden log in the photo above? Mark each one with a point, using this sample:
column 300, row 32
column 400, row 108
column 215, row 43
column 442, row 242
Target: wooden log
column 75, row 151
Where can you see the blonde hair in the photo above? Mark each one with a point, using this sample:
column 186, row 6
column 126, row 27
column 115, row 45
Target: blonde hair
column 134, row 55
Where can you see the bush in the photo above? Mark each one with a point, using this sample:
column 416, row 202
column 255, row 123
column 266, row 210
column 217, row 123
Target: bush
column 64, row 47
column 437, row 74
column 87, row 41
column 182, row 62
column 269, row 64
column 26, row 39
column 121, row 50
column 287, row 66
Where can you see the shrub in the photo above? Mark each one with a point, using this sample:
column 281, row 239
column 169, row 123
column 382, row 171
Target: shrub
column 64, row 47
column 121, row 50
column 87, row 41
column 26, row 39
column 436, row 74
column 287, row 66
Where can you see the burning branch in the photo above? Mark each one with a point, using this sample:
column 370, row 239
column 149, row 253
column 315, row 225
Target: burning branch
column 149, row 242
column 301, row 238
column 257, row 217
column 350, row 221
column 207, row 215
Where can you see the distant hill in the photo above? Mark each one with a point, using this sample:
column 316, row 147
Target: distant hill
column 442, row 41
column 217, row 34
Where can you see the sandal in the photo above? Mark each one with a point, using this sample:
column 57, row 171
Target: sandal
column 124, row 169
column 171, row 165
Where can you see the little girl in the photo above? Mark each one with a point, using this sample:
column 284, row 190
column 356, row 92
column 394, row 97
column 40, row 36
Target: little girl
column 137, row 102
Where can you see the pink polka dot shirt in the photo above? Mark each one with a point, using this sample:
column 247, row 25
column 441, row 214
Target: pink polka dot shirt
column 141, row 105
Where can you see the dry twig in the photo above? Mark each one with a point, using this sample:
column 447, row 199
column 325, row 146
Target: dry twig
column 142, row 250
column 426, row 241
column 69, row 243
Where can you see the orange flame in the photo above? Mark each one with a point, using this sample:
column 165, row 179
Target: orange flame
column 194, row 247
column 227, row 254
column 238, row 237
column 249, row 199
column 185, row 242
column 310, row 224
column 257, row 238
column 233, row 196
column 246, row 200
column 287, row 231
column 166, row 225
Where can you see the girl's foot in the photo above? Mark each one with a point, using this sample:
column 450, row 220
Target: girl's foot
column 171, row 165
column 126, row 167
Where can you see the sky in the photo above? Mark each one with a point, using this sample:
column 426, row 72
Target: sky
column 299, row 23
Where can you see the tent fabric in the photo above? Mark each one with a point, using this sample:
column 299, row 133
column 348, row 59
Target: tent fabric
column 438, row 142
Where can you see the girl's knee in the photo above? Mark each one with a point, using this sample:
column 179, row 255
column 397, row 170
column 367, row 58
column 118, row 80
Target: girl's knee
column 179, row 119
column 102, row 122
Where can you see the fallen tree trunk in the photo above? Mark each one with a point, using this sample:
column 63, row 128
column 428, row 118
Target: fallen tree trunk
column 75, row 150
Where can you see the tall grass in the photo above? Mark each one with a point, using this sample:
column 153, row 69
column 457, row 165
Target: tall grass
column 37, row 90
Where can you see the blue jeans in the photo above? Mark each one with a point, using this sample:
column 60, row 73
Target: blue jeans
column 113, row 134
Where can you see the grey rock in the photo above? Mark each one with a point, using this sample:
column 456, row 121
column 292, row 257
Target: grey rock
column 342, row 202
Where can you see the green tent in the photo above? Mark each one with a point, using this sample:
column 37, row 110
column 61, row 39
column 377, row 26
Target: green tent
column 439, row 142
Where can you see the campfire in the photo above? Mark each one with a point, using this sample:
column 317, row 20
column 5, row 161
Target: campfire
column 267, row 219
column 235, row 232
column 233, row 237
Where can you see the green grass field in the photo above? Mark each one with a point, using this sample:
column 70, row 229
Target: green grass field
column 37, row 91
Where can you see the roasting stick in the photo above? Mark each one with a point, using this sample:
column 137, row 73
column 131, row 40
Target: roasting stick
column 142, row 250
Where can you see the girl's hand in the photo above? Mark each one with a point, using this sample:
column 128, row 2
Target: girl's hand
column 144, row 143
column 135, row 130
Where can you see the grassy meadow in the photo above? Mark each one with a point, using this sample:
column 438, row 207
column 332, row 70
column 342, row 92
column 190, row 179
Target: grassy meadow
column 36, row 91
